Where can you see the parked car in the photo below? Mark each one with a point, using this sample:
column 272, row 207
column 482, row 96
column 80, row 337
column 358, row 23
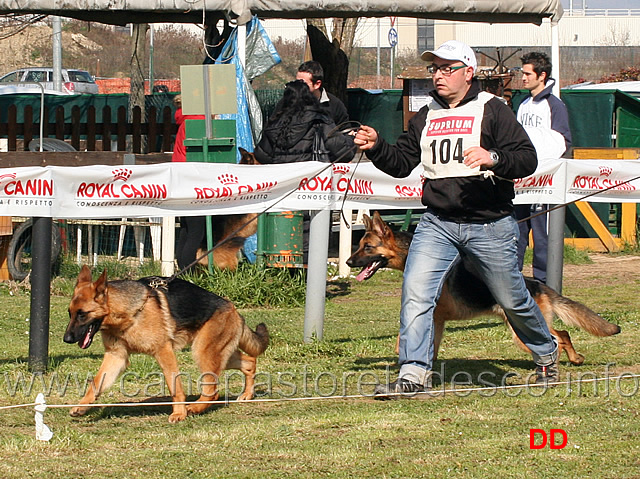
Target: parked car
column 26, row 80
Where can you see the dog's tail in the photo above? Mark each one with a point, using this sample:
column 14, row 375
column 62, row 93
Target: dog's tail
column 578, row 315
column 254, row 343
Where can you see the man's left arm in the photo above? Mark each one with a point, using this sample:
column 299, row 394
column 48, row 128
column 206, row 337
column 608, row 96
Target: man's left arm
column 560, row 121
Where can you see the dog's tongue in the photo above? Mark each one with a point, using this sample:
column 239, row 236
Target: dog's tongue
column 362, row 275
column 366, row 272
column 86, row 341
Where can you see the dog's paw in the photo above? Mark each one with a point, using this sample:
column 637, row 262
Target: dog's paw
column 78, row 411
column 245, row 396
column 177, row 417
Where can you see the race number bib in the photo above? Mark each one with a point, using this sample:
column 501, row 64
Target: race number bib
column 447, row 134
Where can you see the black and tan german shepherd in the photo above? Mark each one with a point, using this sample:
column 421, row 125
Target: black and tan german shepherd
column 158, row 318
column 464, row 296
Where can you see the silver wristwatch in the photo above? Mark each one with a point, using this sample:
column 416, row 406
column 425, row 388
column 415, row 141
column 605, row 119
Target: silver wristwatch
column 494, row 158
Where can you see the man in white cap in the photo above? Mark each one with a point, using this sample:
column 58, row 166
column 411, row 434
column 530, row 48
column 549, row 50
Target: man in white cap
column 471, row 148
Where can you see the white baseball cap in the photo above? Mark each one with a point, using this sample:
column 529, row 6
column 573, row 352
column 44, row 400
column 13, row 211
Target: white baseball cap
column 453, row 50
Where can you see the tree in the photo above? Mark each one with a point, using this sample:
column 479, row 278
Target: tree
column 333, row 55
column 137, row 60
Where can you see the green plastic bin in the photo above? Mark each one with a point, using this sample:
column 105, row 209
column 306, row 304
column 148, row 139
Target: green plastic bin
column 281, row 239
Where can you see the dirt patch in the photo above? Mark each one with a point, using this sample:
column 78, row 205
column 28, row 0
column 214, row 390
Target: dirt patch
column 605, row 269
column 32, row 46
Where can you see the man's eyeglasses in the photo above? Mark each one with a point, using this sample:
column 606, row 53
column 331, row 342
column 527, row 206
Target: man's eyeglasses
column 446, row 69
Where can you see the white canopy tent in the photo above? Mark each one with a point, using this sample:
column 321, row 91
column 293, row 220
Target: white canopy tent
column 121, row 12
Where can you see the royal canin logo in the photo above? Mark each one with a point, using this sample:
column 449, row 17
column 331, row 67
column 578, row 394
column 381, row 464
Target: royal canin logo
column 585, row 182
column 458, row 125
column 121, row 174
column 231, row 186
column 111, row 190
column 405, row 191
column 228, row 179
column 605, row 170
column 339, row 184
column 340, row 169
column 15, row 187
column 536, row 181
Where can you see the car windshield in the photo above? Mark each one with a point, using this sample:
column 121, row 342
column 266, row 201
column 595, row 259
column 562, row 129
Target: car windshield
column 10, row 77
column 80, row 77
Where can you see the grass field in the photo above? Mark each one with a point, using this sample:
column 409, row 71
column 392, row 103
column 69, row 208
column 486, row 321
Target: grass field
column 483, row 434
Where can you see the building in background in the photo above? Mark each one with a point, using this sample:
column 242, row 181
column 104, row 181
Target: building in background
column 593, row 42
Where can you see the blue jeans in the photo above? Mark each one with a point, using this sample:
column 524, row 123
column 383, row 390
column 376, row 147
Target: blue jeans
column 540, row 238
column 436, row 246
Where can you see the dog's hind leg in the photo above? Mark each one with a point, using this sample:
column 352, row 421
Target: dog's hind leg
column 247, row 365
column 562, row 337
column 565, row 344
column 212, row 348
column 438, row 331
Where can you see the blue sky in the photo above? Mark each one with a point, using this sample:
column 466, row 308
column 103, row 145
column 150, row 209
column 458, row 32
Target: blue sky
column 615, row 4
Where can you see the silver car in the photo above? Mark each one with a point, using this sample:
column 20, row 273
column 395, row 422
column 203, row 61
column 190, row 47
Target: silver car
column 27, row 80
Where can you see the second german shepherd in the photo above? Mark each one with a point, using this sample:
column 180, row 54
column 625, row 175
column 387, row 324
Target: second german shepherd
column 463, row 296
column 158, row 319
column 234, row 229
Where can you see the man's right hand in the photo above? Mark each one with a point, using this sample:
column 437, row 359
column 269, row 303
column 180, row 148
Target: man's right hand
column 366, row 137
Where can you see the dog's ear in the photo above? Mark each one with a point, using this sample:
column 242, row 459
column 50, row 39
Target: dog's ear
column 247, row 158
column 379, row 226
column 85, row 275
column 368, row 224
column 100, row 285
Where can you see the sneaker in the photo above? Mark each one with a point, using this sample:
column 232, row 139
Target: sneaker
column 547, row 374
column 398, row 388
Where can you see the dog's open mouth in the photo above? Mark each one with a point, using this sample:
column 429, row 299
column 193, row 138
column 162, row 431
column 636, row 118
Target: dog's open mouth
column 87, row 339
column 369, row 270
column 84, row 338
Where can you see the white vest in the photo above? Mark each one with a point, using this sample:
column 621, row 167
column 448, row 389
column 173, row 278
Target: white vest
column 448, row 132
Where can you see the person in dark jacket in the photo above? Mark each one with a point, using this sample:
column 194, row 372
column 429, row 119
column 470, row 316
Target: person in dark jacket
column 301, row 131
column 471, row 147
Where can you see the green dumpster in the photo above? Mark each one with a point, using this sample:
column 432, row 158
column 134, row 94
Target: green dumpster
column 280, row 239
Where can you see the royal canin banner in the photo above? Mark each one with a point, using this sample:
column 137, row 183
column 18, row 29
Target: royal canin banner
column 184, row 189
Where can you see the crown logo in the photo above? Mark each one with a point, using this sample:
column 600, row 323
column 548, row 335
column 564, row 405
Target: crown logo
column 228, row 179
column 605, row 170
column 340, row 169
column 121, row 174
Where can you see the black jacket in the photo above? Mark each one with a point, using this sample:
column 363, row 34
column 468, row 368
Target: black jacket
column 473, row 199
column 299, row 140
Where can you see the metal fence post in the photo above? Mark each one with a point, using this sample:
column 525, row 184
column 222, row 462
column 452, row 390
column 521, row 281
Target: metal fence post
column 316, row 275
column 40, row 294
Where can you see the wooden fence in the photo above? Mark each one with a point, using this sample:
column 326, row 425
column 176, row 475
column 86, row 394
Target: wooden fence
column 91, row 130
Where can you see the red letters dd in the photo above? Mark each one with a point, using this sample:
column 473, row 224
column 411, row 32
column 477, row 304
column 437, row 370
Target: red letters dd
column 552, row 441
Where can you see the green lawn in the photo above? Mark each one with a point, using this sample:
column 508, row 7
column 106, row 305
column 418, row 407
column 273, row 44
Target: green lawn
column 481, row 434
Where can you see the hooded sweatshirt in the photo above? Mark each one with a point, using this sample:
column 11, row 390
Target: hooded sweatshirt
column 546, row 121
column 477, row 198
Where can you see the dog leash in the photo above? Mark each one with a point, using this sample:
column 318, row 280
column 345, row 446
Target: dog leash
column 576, row 200
column 161, row 282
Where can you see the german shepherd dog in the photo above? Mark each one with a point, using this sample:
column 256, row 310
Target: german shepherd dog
column 158, row 319
column 463, row 296
column 233, row 229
